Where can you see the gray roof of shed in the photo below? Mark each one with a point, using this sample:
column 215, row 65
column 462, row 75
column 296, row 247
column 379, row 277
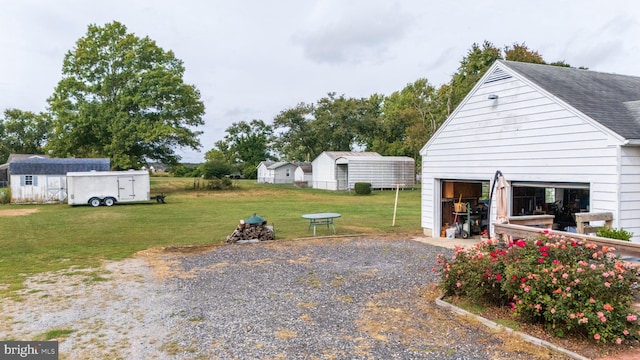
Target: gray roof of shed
column 336, row 154
column 610, row 99
column 57, row 166
column 305, row 166
column 278, row 164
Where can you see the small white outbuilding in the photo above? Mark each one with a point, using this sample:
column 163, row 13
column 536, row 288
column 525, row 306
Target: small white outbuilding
column 281, row 172
column 303, row 173
column 340, row 170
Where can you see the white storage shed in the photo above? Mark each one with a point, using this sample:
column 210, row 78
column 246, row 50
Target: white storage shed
column 281, row 172
column 39, row 179
column 561, row 137
column 303, row 173
column 339, row 170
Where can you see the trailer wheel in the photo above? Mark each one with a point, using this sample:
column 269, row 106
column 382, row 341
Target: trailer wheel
column 109, row 201
column 465, row 234
column 94, row 201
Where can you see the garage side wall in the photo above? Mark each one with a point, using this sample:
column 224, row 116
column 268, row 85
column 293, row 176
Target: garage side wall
column 526, row 134
column 630, row 191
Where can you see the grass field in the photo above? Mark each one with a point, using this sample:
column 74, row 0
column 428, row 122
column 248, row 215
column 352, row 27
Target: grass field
column 59, row 236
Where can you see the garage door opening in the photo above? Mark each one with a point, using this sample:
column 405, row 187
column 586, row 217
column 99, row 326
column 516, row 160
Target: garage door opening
column 563, row 200
column 473, row 219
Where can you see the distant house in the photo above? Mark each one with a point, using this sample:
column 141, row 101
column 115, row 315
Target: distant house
column 39, row 179
column 281, row 172
column 303, row 173
column 340, row 170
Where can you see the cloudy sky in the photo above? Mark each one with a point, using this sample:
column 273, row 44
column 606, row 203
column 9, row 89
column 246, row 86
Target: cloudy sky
column 251, row 59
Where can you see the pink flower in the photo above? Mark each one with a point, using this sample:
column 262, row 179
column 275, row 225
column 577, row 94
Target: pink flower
column 593, row 266
column 618, row 341
column 626, row 333
column 608, row 307
column 458, row 284
column 572, row 316
column 596, row 336
column 540, row 260
column 498, row 277
column 553, row 311
column 631, row 317
column 577, row 281
column 526, row 289
column 555, row 261
column 592, row 300
column 606, row 284
column 600, row 314
column 565, row 275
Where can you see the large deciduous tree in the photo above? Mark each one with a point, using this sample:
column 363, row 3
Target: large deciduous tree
column 23, row 132
column 245, row 145
column 123, row 97
column 332, row 124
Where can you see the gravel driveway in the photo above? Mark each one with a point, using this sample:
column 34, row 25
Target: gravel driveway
column 332, row 298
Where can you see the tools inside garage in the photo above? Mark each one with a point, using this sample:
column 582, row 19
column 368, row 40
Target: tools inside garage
column 464, row 212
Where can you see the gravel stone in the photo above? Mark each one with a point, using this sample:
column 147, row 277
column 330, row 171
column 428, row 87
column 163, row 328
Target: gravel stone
column 324, row 298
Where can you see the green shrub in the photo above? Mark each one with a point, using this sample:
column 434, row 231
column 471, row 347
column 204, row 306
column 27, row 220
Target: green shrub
column 362, row 188
column 211, row 184
column 5, row 195
column 569, row 285
column 619, row 234
column 215, row 169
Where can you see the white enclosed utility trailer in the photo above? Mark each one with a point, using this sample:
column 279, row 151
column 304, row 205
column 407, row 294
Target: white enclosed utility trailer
column 107, row 187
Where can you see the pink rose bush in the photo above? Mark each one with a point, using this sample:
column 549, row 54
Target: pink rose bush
column 570, row 285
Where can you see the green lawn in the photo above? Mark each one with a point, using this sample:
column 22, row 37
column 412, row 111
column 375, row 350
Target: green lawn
column 59, row 236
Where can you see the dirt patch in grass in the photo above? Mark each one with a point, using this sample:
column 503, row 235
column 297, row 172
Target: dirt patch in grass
column 17, row 212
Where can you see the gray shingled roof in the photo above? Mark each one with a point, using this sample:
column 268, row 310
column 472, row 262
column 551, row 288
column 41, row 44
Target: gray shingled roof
column 609, row 99
column 336, row 154
column 56, row 166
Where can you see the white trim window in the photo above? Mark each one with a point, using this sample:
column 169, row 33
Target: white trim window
column 28, row 180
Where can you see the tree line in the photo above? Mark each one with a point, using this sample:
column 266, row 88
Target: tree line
column 124, row 97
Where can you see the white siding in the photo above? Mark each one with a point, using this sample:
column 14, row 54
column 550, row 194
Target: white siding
column 44, row 189
column 630, row 191
column 301, row 176
column 382, row 173
column 324, row 173
column 528, row 135
column 263, row 174
column 284, row 174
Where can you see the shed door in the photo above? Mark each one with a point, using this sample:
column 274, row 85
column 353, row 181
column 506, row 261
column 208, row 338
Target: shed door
column 55, row 189
column 342, row 176
column 126, row 187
